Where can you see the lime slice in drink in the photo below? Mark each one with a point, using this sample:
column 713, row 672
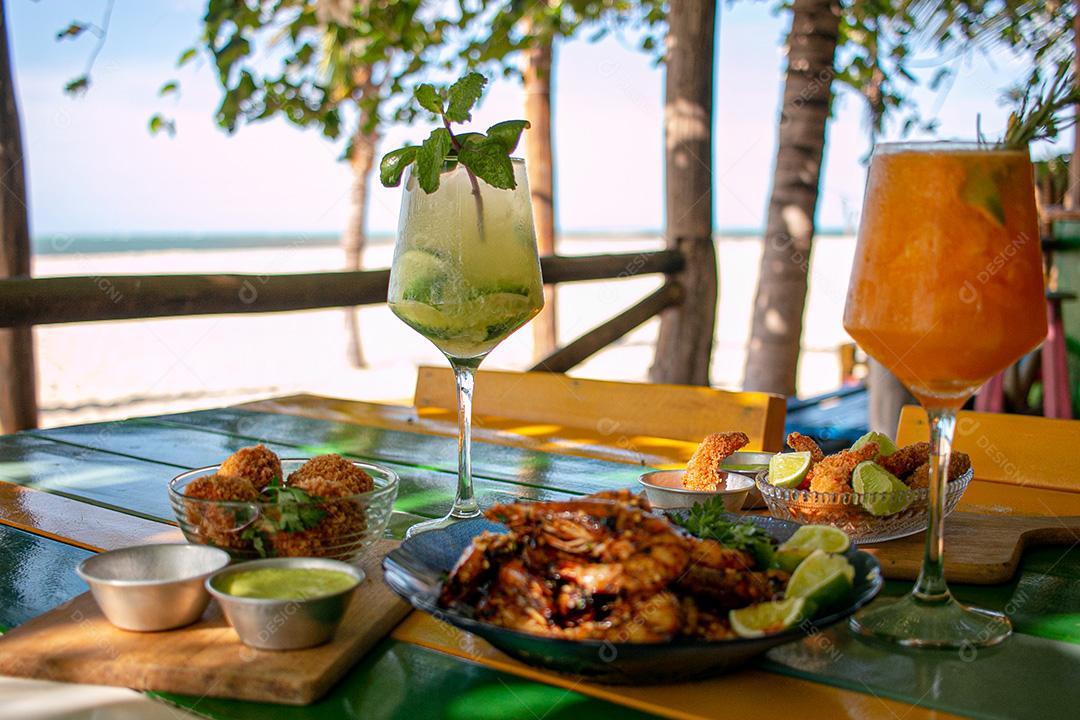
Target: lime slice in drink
column 787, row 470
column 502, row 313
column 425, row 319
column 768, row 617
column 423, row 274
column 981, row 191
column 806, row 540
column 884, row 493
column 885, row 444
column 822, row 579
column 506, row 288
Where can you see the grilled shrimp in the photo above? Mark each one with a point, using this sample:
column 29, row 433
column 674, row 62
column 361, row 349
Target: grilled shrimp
column 659, row 559
column 475, row 566
column 646, row 618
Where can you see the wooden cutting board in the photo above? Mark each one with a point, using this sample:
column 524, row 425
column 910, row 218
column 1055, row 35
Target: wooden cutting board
column 75, row 643
column 979, row 549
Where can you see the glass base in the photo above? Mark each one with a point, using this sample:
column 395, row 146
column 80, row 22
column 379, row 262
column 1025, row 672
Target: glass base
column 453, row 518
column 914, row 622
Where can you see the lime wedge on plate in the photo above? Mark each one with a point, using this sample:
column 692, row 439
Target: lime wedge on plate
column 885, row 444
column 806, row 540
column 768, row 617
column 885, row 494
column 822, row 579
column 788, row 470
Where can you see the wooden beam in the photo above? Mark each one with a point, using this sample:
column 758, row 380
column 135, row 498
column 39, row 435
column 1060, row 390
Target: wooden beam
column 684, row 347
column 18, row 386
column 603, row 335
column 119, row 297
column 560, row 269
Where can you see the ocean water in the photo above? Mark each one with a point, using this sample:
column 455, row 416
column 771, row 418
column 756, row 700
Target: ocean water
column 63, row 244
column 75, row 244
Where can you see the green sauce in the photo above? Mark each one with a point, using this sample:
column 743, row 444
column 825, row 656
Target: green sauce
column 287, row 583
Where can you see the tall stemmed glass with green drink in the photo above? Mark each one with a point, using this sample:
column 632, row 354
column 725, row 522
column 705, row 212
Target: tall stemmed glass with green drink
column 946, row 291
column 465, row 273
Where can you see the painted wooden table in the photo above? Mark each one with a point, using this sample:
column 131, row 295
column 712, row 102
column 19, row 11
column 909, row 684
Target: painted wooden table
column 67, row 492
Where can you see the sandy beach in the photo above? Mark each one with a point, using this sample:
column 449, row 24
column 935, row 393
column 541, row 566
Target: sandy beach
column 105, row 371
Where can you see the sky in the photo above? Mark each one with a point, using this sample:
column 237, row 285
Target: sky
column 94, row 169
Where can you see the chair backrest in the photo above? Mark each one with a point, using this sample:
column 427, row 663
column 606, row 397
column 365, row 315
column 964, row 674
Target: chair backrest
column 1014, row 449
column 613, row 409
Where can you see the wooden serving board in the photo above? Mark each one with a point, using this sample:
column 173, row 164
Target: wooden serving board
column 979, row 549
column 75, row 643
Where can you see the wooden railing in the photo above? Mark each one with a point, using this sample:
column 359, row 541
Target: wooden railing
column 26, row 301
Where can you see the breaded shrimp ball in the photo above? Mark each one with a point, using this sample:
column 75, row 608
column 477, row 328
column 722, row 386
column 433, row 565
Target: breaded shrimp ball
column 221, row 487
column 257, row 464
column 334, row 469
column 340, row 531
column 221, row 526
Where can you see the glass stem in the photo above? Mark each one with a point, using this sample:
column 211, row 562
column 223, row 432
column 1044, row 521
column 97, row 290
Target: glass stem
column 465, row 505
column 931, row 587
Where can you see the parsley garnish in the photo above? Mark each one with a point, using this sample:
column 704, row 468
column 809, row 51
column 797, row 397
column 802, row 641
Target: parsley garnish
column 706, row 520
column 293, row 510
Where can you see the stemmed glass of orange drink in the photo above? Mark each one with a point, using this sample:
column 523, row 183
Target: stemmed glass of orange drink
column 946, row 291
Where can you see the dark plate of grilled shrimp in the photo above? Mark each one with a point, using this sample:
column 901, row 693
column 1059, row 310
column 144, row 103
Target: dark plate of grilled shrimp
column 605, row 588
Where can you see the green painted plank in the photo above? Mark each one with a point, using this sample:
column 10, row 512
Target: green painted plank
column 117, row 482
column 36, row 575
column 399, row 680
column 423, row 491
column 1025, row 677
column 1029, row 675
column 1046, row 602
column 496, row 462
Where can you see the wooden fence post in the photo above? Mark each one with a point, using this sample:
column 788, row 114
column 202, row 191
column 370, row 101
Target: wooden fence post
column 684, row 348
column 18, row 389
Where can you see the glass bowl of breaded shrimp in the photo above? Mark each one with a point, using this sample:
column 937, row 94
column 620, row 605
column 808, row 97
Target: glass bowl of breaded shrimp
column 873, row 491
column 257, row 505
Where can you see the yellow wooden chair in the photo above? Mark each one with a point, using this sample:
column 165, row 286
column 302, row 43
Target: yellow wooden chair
column 1032, row 452
column 665, row 420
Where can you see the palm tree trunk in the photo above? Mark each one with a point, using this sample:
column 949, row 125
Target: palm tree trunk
column 684, row 347
column 540, row 162
column 18, row 385
column 773, row 355
column 362, row 159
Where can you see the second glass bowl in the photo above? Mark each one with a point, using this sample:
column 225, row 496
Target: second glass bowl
column 845, row 510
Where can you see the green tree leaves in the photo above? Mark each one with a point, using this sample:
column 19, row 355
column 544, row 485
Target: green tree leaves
column 485, row 156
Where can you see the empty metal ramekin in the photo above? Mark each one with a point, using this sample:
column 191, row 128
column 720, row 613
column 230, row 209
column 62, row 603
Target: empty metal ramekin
column 152, row 587
column 269, row 624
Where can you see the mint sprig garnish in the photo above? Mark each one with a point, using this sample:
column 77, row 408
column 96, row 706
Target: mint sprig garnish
column 484, row 155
